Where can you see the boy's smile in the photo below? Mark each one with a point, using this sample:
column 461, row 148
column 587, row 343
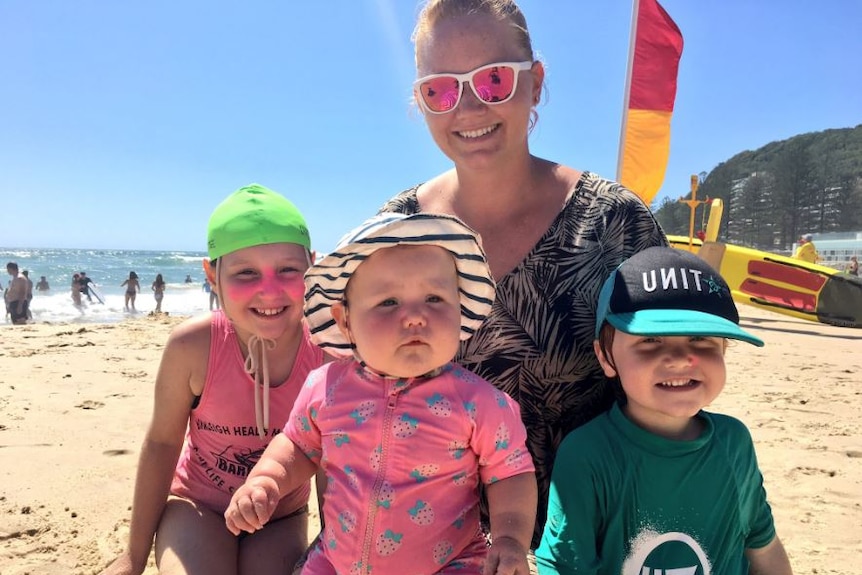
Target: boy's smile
column 667, row 379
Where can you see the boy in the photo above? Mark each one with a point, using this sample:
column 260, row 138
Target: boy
column 656, row 485
column 404, row 435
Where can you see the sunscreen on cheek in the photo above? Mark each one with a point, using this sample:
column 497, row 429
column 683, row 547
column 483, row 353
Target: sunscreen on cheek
column 295, row 287
column 239, row 291
column 292, row 286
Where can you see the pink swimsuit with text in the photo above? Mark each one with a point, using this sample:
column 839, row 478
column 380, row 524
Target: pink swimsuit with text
column 222, row 444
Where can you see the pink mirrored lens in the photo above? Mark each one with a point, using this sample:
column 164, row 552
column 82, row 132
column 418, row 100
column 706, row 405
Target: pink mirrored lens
column 494, row 83
column 440, row 94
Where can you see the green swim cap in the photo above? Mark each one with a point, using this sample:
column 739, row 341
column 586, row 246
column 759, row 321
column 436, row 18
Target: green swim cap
column 254, row 216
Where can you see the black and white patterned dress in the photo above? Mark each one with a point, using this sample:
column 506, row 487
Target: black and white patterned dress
column 537, row 344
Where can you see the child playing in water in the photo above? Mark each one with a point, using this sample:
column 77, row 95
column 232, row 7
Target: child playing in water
column 404, row 436
column 226, row 384
column 158, row 288
column 656, row 485
column 133, row 286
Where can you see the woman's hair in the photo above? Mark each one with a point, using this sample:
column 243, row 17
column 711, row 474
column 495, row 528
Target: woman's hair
column 436, row 11
column 133, row 276
column 159, row 279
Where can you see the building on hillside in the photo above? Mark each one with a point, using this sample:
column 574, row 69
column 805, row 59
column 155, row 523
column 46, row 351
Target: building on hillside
column 751, row 221
column 835, row 248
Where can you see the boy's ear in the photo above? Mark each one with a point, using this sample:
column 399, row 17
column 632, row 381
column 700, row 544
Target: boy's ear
column 603, row 360
column 339, row 314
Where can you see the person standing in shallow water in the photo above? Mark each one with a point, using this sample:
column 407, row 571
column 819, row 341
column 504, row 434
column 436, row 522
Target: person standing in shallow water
column 551, row 233
column 133, row 286
column 158, row 288
column 76, row 291
column 16, row 295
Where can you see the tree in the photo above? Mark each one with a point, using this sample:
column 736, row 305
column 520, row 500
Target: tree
column 794, row 193
column 754, row 203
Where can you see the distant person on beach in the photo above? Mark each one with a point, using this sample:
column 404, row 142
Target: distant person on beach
column 393, row 301
column 42, row 284
column 551, row 233
column 26, row 274
column 227, row 382
column 853, row 266
column 189, row 279
column 84, row 285
column 806, row 251
column 16, row 295
column 76, row 290
column 158, row 288
column 656, row 484
column 213, row 295
column 133, row 286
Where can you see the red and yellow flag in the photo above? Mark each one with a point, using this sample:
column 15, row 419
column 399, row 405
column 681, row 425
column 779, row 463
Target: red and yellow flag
column 650, row 94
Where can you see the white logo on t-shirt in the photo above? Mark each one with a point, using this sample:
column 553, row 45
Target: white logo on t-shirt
column 648, row 541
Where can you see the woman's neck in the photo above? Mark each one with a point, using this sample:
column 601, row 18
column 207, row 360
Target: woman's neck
column 495, row 193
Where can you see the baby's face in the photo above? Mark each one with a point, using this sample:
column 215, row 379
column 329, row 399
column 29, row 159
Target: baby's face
column 404, row 310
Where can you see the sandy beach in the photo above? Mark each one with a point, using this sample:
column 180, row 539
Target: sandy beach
column 75, row 402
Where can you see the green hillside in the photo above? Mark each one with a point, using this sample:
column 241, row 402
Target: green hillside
column 807, row 183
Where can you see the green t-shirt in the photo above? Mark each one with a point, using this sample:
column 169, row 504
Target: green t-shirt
column 624, row 501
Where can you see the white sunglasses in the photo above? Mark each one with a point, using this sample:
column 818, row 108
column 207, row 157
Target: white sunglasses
column 492, row 84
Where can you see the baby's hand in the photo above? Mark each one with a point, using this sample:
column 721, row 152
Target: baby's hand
column 252, row 505
column 506, row 557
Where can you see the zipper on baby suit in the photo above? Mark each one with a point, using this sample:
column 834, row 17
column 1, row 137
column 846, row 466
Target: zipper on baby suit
column 393, row 390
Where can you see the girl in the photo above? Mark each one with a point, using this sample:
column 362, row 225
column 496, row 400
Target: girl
column 133, row 286
column 230, row 377
column 158, row 288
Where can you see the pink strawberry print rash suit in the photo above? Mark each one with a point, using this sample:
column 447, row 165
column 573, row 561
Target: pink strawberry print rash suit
column 403, row 460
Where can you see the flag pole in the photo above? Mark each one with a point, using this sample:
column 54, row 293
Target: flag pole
column 627, row 93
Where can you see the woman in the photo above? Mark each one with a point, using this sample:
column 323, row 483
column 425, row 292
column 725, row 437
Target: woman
column 552, row 233
column 158, row 288
column 133, row 286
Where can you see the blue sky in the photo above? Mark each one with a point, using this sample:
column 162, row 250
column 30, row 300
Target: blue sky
column 122, row 124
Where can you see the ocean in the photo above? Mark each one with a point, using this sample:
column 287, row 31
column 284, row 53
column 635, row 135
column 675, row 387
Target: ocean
column 108, row 269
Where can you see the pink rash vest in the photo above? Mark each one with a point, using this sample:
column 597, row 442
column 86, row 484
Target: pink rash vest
column 403, row 460
column 222, row 443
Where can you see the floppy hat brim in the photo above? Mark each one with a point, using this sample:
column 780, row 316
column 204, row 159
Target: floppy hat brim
column 676, row 322
column 326, row 280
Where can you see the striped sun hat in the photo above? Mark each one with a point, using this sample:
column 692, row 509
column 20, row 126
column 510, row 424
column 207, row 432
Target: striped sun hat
column 326, row 280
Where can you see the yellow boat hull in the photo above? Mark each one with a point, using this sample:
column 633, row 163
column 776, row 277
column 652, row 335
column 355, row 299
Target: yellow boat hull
column 781, row 284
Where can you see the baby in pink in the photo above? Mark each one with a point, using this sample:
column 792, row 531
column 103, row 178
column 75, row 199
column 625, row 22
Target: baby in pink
column 403, row 461
column 406, row 438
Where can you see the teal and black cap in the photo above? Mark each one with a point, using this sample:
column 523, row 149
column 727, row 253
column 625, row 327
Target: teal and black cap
column 663, row 291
